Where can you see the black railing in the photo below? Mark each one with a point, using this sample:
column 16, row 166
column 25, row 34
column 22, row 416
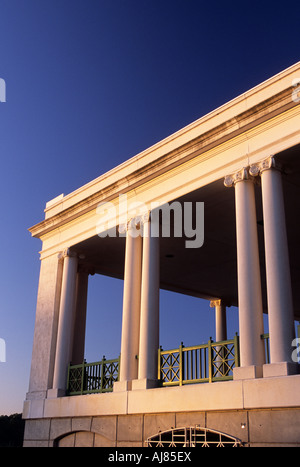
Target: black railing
column 96, row 377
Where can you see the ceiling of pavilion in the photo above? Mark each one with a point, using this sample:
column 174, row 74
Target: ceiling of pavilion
column 210, row 271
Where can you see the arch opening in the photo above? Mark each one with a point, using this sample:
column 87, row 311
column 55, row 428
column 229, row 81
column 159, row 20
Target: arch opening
column 193, row 436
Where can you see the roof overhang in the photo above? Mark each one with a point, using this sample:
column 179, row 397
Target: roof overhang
column 189, row 166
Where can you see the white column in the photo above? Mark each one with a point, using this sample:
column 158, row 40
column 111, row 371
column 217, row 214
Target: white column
column 279, row 290
column 80, row 316
column 149, row 325
column 46, row 325
column 65, row 324
column 249, row 282
column 131, row 304
column 220, row 319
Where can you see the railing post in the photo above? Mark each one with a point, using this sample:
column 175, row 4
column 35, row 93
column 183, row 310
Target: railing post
column 68, row 378
column 102, row 373
column 181, row 369
column 82, row 377
column 159, row 363
column 210, row 366
column 236, row 350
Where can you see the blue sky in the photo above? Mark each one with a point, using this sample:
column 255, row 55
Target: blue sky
column 91, row 83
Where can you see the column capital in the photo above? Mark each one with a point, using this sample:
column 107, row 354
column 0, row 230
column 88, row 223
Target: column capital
column 132, row 224
column 146, row 217
column 122, row 228
column 261, row 166
column 219, row 302
column 141, row 219
column 135, row 222
column 240, row 175
column 67, row 253
column 214, row 303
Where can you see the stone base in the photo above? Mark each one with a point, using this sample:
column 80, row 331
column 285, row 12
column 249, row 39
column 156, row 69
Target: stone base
column 247, row 372
column 259, row 411
column 121, row 386
column 33, row 408
column 144, row 384
column 135, row 385
column 280, row 369
column 255, row 428
column 54, row 393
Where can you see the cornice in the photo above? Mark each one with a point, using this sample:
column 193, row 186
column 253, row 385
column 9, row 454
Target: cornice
column 140, row 174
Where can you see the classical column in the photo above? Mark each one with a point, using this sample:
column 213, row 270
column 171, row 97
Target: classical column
column 65, row 324
column 46, row 324
column 131, row 306
column 279, row 290
column 149, row 324
column 249, row 282
column 220, row 319
column 80, row 316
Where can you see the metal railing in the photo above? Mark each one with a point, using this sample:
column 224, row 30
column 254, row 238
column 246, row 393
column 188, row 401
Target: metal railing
column 209, row 362
column 266, row 338
column 89, row 378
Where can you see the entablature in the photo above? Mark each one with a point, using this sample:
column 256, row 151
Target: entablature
column 229, row 128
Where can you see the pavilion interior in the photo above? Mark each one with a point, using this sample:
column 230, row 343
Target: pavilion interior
column 211, row 271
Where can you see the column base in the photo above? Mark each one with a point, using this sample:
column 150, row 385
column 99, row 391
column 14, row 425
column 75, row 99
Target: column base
column 247, row 372
column 144, row 383
column 280, row 369
column 54, row 393
column 121, row 386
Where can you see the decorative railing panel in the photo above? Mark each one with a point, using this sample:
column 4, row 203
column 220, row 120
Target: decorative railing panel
column 88, row 378
column 192, row 437
column 209, row 362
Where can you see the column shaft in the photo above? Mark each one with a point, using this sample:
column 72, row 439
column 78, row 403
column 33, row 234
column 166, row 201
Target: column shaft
column 149, row 326
column 80, row 317
column 280, row 302
column 249, row 283
column 66, row 322
column 131, row 308
column 221, row 327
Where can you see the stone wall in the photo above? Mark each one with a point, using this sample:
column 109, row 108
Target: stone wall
column 255, row 428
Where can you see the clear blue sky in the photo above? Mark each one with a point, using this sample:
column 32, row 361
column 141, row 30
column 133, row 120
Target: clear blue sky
column 91, row 83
